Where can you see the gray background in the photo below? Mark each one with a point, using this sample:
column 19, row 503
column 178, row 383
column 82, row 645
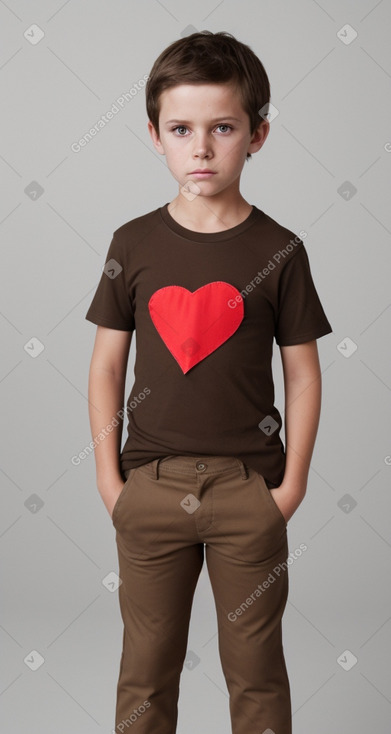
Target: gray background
column 57, row 543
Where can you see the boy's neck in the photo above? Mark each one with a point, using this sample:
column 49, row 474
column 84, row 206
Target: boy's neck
column 206, row 215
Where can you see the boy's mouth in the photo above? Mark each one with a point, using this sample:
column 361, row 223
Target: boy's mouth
column 202, row 172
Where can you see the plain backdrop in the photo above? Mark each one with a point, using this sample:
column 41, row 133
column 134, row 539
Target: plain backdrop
column 324, row 169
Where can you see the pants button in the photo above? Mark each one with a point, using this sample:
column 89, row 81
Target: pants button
column 200, row 466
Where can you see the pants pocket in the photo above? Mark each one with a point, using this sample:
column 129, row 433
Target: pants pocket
column 121, row 496
column 270, row 499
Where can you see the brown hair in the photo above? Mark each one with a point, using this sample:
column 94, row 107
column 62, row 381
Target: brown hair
column 209, row 58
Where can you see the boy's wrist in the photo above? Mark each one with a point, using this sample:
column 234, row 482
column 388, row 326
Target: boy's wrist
column 109, row 479
column 295, row 477
column 111, row 491
column 286, row 500
column 296, row 486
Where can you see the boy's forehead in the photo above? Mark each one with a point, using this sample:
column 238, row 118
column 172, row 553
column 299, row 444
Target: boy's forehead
column 185, row 99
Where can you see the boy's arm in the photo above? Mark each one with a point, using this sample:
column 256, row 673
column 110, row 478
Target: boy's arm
column 303, row 390
column 106, row 387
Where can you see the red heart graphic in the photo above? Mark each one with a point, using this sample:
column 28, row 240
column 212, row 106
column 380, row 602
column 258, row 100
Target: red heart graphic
column 193, row 325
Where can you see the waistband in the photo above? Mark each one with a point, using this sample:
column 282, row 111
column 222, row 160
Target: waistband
column 193, row 464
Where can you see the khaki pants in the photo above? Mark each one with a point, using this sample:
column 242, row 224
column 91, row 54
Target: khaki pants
column 169, row 512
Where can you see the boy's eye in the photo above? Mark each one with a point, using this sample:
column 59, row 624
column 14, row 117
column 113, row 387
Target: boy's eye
column 183, row 127
column 229, row 127
column 179, row 127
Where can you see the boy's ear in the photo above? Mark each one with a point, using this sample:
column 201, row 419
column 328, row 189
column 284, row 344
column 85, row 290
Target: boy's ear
column 259, row 136
column 155, row 138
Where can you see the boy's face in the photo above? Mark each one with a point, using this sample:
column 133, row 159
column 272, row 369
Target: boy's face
column 203, row 126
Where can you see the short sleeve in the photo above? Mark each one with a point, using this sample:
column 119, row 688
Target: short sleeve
column 300, row 316
column 111, row 305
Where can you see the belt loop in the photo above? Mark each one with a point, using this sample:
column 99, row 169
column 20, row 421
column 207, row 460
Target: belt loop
column 243, row 468
column 155, row 467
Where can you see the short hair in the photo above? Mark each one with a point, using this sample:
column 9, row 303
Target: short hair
column 210, row 58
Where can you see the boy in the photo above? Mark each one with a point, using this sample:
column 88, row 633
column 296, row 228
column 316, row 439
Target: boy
column 206, row 281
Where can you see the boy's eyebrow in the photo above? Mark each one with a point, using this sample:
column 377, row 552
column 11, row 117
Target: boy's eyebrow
column 222, row 117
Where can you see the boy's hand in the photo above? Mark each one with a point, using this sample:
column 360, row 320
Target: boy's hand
column 111, row 492
column 114, row 496
column 287, row 500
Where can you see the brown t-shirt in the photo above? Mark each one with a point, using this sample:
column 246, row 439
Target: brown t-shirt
column 205, row 308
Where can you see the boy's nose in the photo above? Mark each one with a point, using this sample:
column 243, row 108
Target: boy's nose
column 202, row 154
column 202, row 147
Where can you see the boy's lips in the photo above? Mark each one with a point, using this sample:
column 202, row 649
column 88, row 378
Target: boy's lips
column 202, row 170
column 202, row 174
